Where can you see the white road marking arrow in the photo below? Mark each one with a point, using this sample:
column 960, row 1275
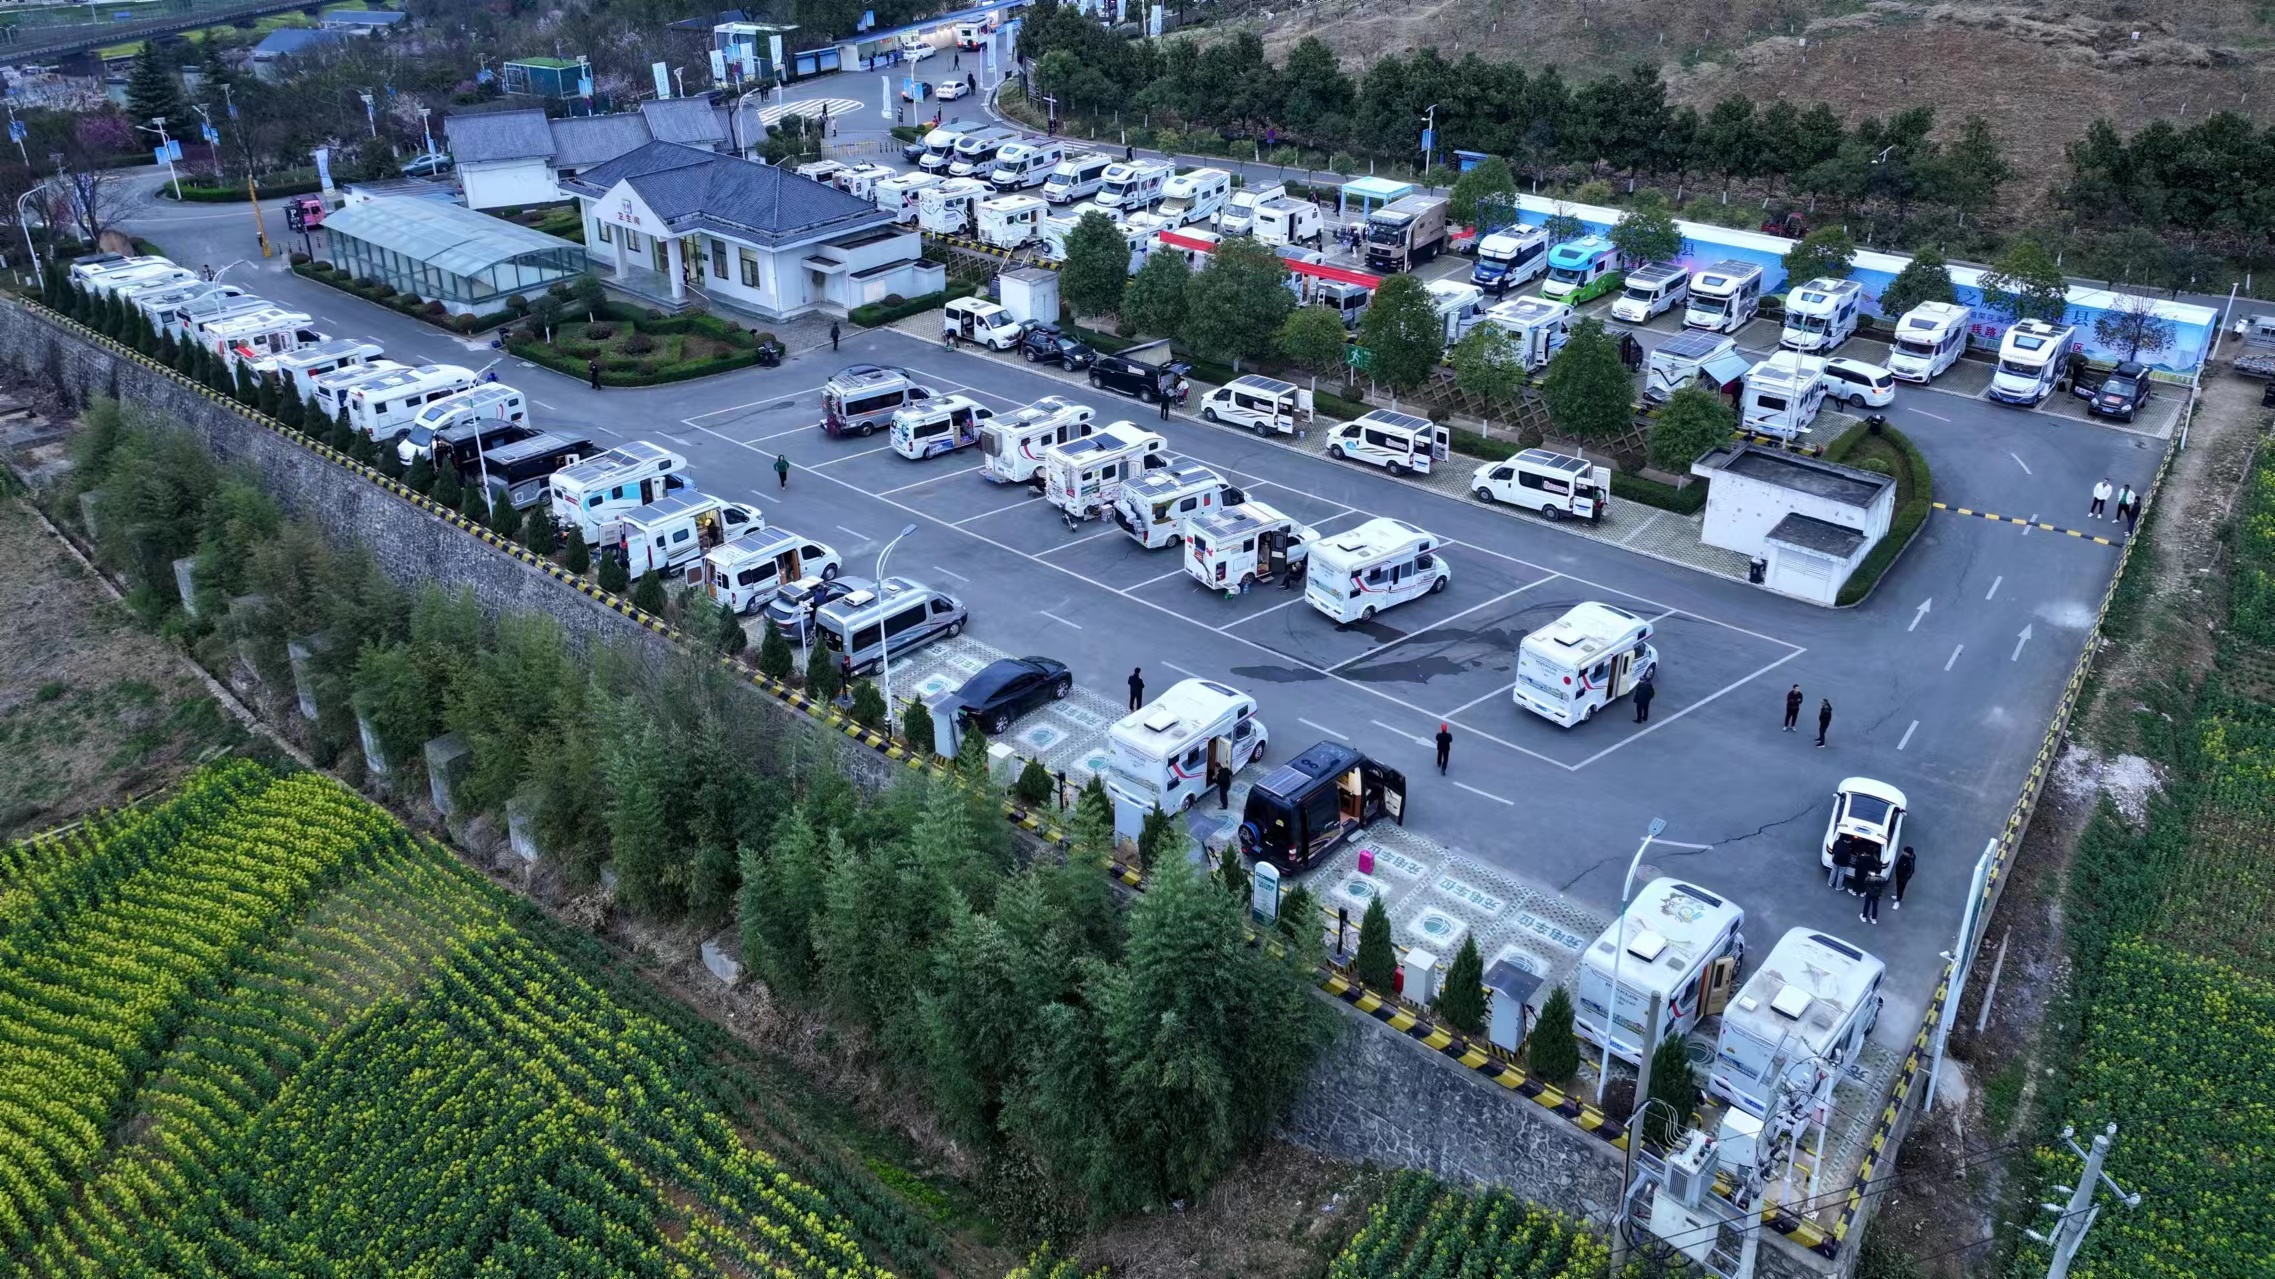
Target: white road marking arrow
column 2019, row 641
column 1920, row 614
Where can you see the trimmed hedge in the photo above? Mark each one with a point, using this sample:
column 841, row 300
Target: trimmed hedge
column 1914, row 500
column 876, row 314
column 224, row 195
column 1688, row 500
column 384, row 295
column 611, row 375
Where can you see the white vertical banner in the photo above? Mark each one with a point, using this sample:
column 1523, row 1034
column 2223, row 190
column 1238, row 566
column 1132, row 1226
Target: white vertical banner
column 663, row 80
column 885, row 96
column 774, row 50
column 718, row 66
column 1153, row 22
column 750, row 61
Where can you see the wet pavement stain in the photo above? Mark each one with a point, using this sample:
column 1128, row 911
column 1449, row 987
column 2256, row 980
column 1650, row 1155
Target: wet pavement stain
column 1277, row 674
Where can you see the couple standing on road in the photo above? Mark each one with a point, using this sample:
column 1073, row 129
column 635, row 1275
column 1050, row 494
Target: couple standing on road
column 1793, row 700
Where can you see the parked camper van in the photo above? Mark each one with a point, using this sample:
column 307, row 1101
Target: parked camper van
column 1406, row 232
column 493, row 402
column 1348, row 301
column 1236, row 546
column 1675, row 940
column 1025, row 164
column 1380, row 564
column 1240, row 208
column 1649, row 290
column 929, row 428
column 331, row 389
column 588, row 496
column 902, row 194
column 1783, row 394
column 183, row 320
column 257, row 334
column 137, row 274
column 1285, row 221
column 861, row 181
column 1133, row 185
column 1459, row 307
column 1550, row 483
column 975, row 152
column 1162, row 753
column 1083, row 477
column 1510, row 259
column 1196, row 196
column 1581, row 270
column 1582, row 662
column 862, row 397
column 1010, row 221
column 523, row 469
column 1724, row 297
column 1013, row 444
column 298, row 369
column 1397, row 442
column 1929, row 339
column 1155, row 506
column 1692, row 357
column 1301, row 811
column 822, row 171
column 465, row 445
column 979, row 320
column 1077, row 177
column 743, row 575
column 973, row 34
column 673, row 533
column 1820, row 315
column 951, row 207
column 86, row 272
column 1264, row 405
column 934, row 151
column 900, row 614
column 2033, row 358
column 1813, row 996
column 385, row 407
column 162, row 304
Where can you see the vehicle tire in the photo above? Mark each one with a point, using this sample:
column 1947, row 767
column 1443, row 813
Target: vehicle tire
column 1484, row 494
column 1552, row 514
column 1587, row 714
column 1341, row 452
column 1650, row 672
column 1258, row 756
column 1188, row 801
column 1096, row 384
column 1247, row 580
column 1398, row 469
column 1060, row 690
column 1367, row 614
column 1263, row 430
column 868, row 429
column 1000, row 725
column 1148, row 396
column 1439, row 585
column 1032, row 358
column 953, row 629
column 829, row 574
column 1209, row 415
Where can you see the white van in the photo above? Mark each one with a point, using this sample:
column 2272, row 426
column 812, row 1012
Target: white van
column 385, row 407
column 975, row 152
column 590, row 495
column 2033, row 357
column 1013, row 444
column 1195, row 196
column 1782, row 395
column 1154, row 507
column 182, row 321
column 1510, row 258
column 1010, row 221
column 1724, row 297
column 673, row 533
column 1550, row 483
column 1288, row 222
column 1264, row 405
column 745, row 574
column 1076, row 177
column 299, row 368
column 866, row 627
column 1650, row 289
column 973, row 34
column 1929, row 339
column 862, row 180
column 1820, row 315
column 1583, row 661
column 142, row 275
column 823, row 171
column 212, row 331
column 901, row 194
column 331, row 389
column 1240, row 208
column 1083, row 477
column 1537, row 328
column 1161, row 754
column 160, row 305
column 1398, row 442
column 1459, row 307
column 249, row 339
column 1133, row 185
column 1380, row 564
column 87, row 271
column 1675, row 940
column 1025, row 164
column 1236, row 546
column 979, row 320
column 940, row 145
column 930, row 428
column 951, row 207
column 1812, row 997
column 134, row 291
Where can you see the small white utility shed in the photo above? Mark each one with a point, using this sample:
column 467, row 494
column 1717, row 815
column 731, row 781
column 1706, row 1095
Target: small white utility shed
column 1810, row 520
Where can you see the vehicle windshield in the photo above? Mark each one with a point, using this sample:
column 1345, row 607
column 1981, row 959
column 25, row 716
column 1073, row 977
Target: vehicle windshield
column 1386, row 232
column 1176, row 204
column 1117, row 189
column 1807, row 323
column 1568, row 274
column 1913, row 346
column 421, row 437
column 2117, row 386
column 1868, row 808
column 1492, row 268
column 1639, row 293
column 2020, row 369
column 1710, row 306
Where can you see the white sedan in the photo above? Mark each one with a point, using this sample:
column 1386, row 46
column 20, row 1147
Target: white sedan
column 1859, row 384
column 1867, row 825
column 950, row 90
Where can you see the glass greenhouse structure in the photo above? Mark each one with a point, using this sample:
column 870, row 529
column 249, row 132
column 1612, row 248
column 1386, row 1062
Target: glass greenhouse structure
column 470, row 262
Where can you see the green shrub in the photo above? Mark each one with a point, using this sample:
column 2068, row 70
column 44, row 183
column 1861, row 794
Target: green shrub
column 1675, row 1085
column 639, row 343
column 1461, row 1003
column 1687, row 500
column 1377, row 961
column 822, row 678
column 579, row 557
column 599, row 332
column 648, row 593
column 775, row 661
column 917, row 728
column 615, row 577
column 1553, row 1051
column 868, row 708
column 1035, row 784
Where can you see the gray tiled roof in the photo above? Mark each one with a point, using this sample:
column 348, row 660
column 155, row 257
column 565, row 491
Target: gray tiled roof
column 583, row 141
column 693, row 189
column 289, row 41
column 498, row 135
column 690, row 120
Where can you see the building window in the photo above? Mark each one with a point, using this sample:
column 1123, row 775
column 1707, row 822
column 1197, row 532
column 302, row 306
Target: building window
column 631, row 240
column 718, row 259
column 607, row 231
column 750, row 269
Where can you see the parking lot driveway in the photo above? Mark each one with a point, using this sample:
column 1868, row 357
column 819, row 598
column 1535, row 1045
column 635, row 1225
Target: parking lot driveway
column 1414, row 645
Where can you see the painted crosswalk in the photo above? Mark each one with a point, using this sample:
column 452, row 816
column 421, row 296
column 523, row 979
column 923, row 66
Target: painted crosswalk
column 811, row 109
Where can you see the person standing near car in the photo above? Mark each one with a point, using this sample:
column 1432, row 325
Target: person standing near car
column 1644, row 691
column 1906, row 863
column 1137, row 687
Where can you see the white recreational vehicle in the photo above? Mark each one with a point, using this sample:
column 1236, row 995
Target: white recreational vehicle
column 1650, row 289
column 87, row 271
column 1724, row 297
column 1783, row 394
column 1693, row 357
column 1264, row 405
column 859, row 398
column 1195, row 196
column 673, row 533
column 493, row 402
column 1813, row 998
column 1055, row 230
column 929, row 428
column 1509, row 259
column 1076, row 177
column 331, row 389
column 183, row 320
column 1240, row 207
column 1929, row 339
column 1084, row 476
column 385, row 406
column 1582, row 662
column 1026, row 164
column 940, row 145
column 1550, row 483
column 979, row 320
column 1236, row 546
column 299, row 368
column 901, row 194
column 1013, row 444
column 1283, row 221
column 823, row 171
column 1161, row 754
column 1155, row 507
column 161, row 304
column 1380, row 564
column 1010, row 221
column 949, row 208
column 588, row 496
column 2034, row 356
column 745, row 574
column 1677, row 941
column 862, row 180
column 1537, row 328
column 1398, row 442
column 1820, row 315
column 1133, row 185
column 258, row 329
column 975, row 152
column 1459, row 307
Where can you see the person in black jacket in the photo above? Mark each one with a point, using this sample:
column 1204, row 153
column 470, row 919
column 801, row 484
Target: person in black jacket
column 1906, row 863
column 1137, row 687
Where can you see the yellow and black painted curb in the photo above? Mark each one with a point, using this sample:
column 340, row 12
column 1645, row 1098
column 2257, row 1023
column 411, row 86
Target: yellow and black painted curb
column 1994, row 518
column 970, row 245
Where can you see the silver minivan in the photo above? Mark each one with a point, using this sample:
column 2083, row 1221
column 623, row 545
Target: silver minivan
column 898, row 615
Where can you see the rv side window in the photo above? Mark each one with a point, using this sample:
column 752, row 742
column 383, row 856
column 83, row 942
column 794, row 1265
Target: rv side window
column 1193, row 757
column 1190, row 503
column 874, row 404
column 1772, row 403
column 753, row 576
column 1319, row 812
column 683, row 534
column 866, row 638
column 1248, row 544
column 1527, row 480
column 594, row 501
column 1245, row 728
column 1375, row 575
column 904, row 619
column 1422, row 562
column 1382, row 441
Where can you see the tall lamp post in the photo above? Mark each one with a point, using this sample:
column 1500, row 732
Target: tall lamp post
column 887, row 656
column 157, row 125
column 24, row 220
column 735, row 118
column 1618, row 949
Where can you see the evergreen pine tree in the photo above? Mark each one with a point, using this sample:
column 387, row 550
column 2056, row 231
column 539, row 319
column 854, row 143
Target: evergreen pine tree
column 471, row 504
column 364, row 449
column 420, row 478
column 615, row 575
column 917, row 728
column 446, row 489
column 648, row 593
column 1377, row 962
column 971, row 756
column 822, row 680
column 1161, row 836
column 1461, row 1002
column 344, row 433
column 265, row 397
column 868, row 708
column 579, row 558
column 153, row 91
column 1234, row 872
column 1675, row 1085
column 244, row 389
column 291, row 409
column 1035, row 784
column 1553, row 1051
column 169, row 352
column 775, row 660
column 505, row 517
column 538, row 532
column 732, row 638
column 1299, row 920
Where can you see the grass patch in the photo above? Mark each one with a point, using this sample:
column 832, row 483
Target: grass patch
column 636, row 349
column 1888, row 451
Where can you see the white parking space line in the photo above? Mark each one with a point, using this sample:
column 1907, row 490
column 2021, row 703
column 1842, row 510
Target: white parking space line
column 1994, row 587
column 1418, row 741
column 944, row 475
column 857, row 533
column 1491, row 796
column 543, row 405
column 1924, row 413
column 603, row 430
column 1907, row 738
column 2031, row 525
column 1107, row 531
column 1640, row 599
column 1253, row 616
column 1953, row 660
column 1502, row 691
column 966, row 388
column 1015, row 506
column 1060, row 620
column 947, row 572
column 795, row 430
column 2019, row 462
column 1178, row 571
column 1379, row 649
column 1655, row 725
column 751, row 404
column 1182, row 671
column 846, row 457
column 1340, row 509
column 1324, row 729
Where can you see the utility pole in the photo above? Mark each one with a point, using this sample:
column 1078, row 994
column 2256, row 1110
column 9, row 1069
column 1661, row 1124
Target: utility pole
column 2072, row 1223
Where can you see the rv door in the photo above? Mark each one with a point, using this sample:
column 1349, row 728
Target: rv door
column 1441, row 445
column 1715, row 987
column 1394, row 795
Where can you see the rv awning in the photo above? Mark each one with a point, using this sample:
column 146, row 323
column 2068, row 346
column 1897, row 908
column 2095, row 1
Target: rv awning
column 1338, row 274
column 1725, row 369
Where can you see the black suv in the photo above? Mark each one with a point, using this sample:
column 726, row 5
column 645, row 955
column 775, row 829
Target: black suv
column 2122, row 393
column 1128, row 377
column 1044, row 344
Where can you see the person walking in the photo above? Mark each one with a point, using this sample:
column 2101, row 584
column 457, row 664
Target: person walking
column 1223, row 787
column 1871, row 911
column 833, row 336
column 2125, row 499
column 592, row 373
column 1792, row 707
column 781, row 470
column 1824, row 720
column 2101, row 494
column 1137, row 687
column 1129, row 155
column 1445, row 746
column 971, row 85
column 1906, row 863
column 2133, row 515
column 1168, row 395
column 1644, row 691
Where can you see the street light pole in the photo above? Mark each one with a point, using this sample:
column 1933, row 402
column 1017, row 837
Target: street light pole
column 425, row 129
column 24, row 220
column 736, row 118
column 1619, row 948
column 886, row 657
column 165, row 148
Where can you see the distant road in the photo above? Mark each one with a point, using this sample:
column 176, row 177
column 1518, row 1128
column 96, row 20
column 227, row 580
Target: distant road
column 46, row 44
